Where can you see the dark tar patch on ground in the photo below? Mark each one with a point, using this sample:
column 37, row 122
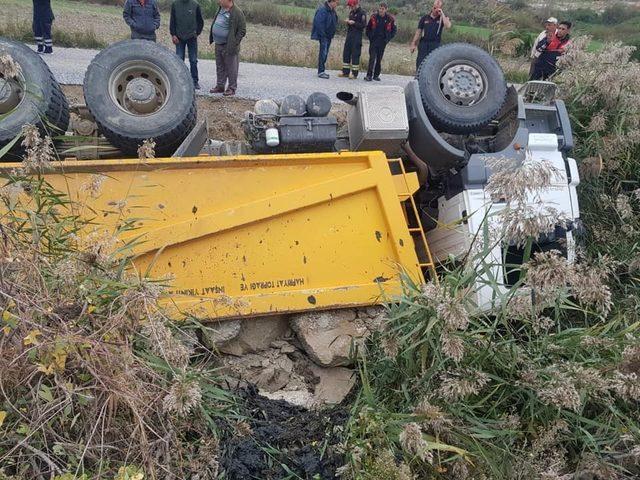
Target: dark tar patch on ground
column 305, row 441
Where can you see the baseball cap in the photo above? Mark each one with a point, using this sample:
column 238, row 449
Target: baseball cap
column 552, row 20
column 352, row 3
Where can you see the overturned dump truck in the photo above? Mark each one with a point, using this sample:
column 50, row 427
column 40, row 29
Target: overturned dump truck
column 309, row 216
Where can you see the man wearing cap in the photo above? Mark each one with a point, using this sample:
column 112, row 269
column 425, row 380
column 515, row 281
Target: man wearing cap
column 356, row 22
column 550, row 27
column 429, row 33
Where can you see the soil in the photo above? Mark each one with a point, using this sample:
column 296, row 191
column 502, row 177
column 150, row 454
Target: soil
column 224, row 116
column 282, row 434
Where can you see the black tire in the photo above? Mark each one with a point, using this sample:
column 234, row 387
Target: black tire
column 446, row 108
column 42, row 101
column 168, row 125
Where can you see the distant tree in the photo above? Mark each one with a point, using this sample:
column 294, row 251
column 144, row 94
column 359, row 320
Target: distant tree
column 616, row 13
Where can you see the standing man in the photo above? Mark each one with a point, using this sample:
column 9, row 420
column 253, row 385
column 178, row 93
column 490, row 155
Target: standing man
column 227, row 31
column 356, row 23
column 429, row 33
column 325, row 22
column 551, row 50
column 185, row 26
column 380, row 30
column 42, row 21
column 550, row 27
column 143, row 18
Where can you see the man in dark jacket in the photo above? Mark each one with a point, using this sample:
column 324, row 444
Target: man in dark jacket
column 551, row 48
column 143, row 18
column 356, row 24
column 42, row 21
column 185, row 25
column 429, row 33
column 227, row 31
column 325, row 22
column 380, row 30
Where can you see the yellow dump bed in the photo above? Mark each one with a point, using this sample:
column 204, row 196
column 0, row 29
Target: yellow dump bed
column 258, row 234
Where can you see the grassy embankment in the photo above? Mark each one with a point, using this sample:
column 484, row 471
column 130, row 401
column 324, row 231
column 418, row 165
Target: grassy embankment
column 96, row 382
column 270, row 37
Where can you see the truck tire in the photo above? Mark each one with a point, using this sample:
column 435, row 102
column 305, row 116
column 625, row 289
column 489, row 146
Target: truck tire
column 462, row 88
column 33, row 97
column 138, row 90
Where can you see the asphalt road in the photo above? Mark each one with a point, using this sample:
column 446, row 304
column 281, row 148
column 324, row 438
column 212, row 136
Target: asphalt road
column 256, row 81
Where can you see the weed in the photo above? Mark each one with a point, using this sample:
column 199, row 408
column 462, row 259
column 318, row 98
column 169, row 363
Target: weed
column 84, row 38
column 540, row 387
column 94, row 379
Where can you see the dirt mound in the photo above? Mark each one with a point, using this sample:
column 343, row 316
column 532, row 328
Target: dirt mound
column 282, row 434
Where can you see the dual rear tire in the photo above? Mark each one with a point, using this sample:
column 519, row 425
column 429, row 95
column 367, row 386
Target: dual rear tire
column 135, row 90
column 462, row 88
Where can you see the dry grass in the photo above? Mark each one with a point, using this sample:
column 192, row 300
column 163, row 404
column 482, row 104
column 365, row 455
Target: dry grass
column 102, row 25
column 94, row 381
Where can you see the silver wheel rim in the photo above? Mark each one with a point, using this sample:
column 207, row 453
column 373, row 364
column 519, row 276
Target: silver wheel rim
column 11, row 94
column 139, row 88
column 463, row 83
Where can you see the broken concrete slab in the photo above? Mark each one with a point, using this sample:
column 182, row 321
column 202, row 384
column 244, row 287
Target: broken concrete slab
column 334, row 385
column 257, row 334
column 269, row 370
column 214, row 335
column 300, row 398
column 328, row 337
column 373, row 317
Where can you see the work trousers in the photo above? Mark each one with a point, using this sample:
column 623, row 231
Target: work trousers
column 532, row 67
column 42, row 33
column 192, row 45
column 226, row 68
column 376, row 52
column 351, row 53
column 424, row 49
column 323, row 53
column 545, row 66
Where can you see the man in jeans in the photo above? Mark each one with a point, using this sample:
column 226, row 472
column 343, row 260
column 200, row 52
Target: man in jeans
column 143, row 18
column 325, row 22
column 227, row 31
column 185, row 25
column 380, row 30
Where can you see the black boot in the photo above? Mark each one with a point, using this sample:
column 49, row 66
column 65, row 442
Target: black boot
column 40, row 48
column 48, row 50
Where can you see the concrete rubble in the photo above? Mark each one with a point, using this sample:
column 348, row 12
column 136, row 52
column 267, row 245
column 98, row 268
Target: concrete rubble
column 299, row 358
column 331, row 338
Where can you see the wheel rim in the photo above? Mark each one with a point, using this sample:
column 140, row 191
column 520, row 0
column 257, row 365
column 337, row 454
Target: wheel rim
column 463, row 84
column 11, row 94
column 139, row 88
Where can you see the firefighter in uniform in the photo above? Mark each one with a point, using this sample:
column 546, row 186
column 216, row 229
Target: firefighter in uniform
column 42, row 20
column 380, row 30
column 356, row 24
column 428, row 36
